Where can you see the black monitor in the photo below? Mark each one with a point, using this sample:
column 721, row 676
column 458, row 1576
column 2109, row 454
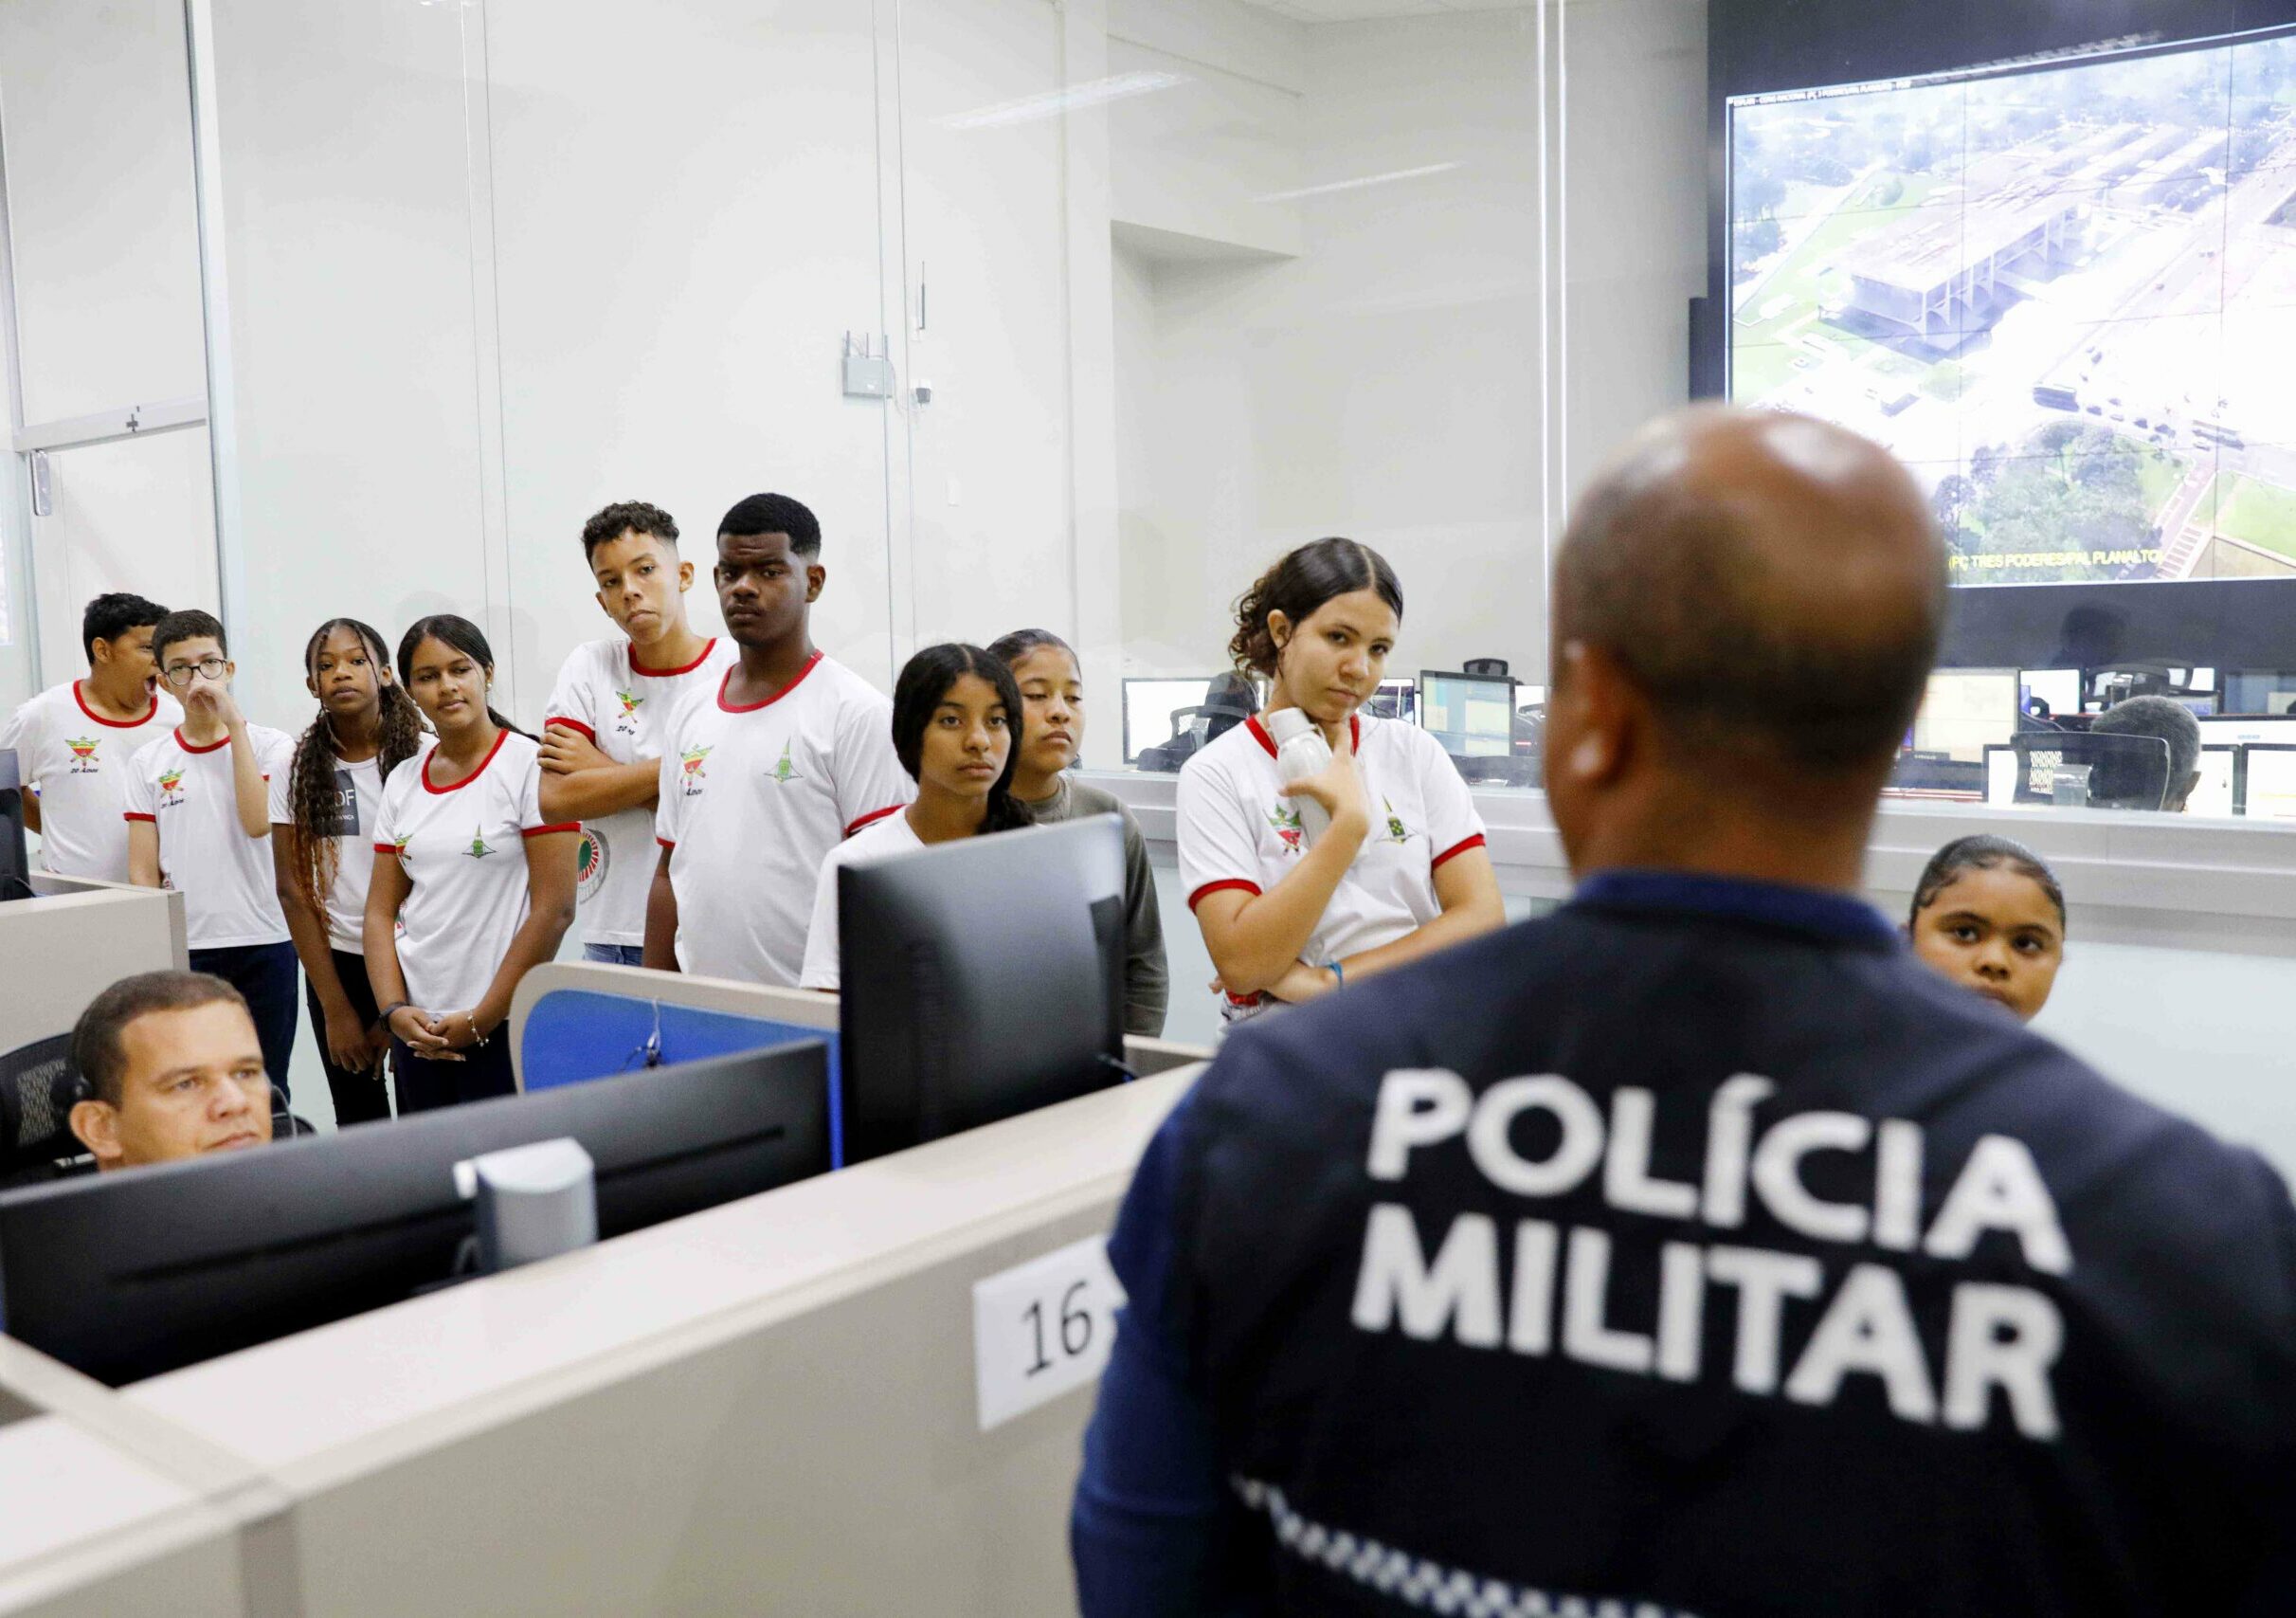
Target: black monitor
column 980, row 979
column 130, row 1274
column 15, row 864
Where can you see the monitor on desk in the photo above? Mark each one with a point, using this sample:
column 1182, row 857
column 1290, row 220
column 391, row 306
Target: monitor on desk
column 15, row 864
column 2235, row 730
column 1149, row 707
column 1471, row 715
column 1965, row 711
column 2059, row 689
column 1394, row 700
column 130, row 1274
column 2213, row 795
column 980, row 979
column 2271, row 783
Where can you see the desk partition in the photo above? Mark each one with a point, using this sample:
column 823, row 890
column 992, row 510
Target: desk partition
column 73, row 939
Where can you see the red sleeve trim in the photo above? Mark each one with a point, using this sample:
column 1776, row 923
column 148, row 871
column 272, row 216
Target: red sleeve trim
column 132, row 814
column 388, row 849
column 1200, row 894
column 546, row 830
column 1457, row 849
column 665, row 843
column 873, row 816
column 564, row 723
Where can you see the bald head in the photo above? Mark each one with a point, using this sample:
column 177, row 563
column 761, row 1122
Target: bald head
column 1771, row 583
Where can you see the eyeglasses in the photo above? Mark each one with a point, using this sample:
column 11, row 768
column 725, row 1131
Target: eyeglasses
column 179, row 674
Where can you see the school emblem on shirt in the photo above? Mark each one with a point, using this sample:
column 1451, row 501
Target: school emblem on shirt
column 1396, row 833
column 1285, row 821
column 169, row 796
column 591, row 855
column 478, row 849
column 627, row 722
column 692, row 774
column 783, row 770
column 85, row 762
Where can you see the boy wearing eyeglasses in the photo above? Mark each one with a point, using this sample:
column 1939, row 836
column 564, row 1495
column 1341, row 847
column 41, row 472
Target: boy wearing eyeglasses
column 201, row 801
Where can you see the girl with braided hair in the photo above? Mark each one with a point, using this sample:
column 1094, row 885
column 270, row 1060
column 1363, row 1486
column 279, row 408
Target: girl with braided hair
column 324, row 852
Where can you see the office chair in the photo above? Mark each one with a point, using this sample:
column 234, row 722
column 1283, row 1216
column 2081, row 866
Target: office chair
column 2079, row 769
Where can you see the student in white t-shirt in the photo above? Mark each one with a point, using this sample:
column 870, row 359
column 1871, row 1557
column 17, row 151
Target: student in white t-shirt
column 956, row 721
column 73, row 741
column 323, row 811
column 472, row 886
column 198, row 812
column 1400, row 872
column 613, row 708
column 792, row 754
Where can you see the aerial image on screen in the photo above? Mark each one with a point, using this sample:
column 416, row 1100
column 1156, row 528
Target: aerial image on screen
column 2065, row 295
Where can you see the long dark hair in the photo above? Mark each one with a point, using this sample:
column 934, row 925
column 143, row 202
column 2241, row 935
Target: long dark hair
column 460, row 633
column 917, row 695
column 1299, row 584
column 311, row 792
column 1983, row 854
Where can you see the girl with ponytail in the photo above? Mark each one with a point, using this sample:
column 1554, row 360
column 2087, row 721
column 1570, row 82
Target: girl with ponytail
column 1398, row 871
column 472, row 887
column 323, row 854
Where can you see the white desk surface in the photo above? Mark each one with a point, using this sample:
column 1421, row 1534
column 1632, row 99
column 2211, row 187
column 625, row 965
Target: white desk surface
column 330, row 1403
column 79, row 1511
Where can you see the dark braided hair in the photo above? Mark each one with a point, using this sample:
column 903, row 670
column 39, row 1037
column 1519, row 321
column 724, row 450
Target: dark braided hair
column 311, row 793
column 925, row 680
column 1983, row 854
column 466, row 637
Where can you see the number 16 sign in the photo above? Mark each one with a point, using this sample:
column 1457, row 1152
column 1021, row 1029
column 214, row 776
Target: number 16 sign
column 1043, row 1328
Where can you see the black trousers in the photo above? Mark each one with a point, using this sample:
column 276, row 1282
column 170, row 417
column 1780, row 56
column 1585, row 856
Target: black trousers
column 359, row 1098
column 264, row 975
column 425, row 1085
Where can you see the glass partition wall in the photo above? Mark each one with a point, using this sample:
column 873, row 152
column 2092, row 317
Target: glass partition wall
column 1079, row 315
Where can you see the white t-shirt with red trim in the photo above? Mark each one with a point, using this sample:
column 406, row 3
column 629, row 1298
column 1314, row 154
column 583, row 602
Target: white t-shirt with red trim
column 79, row 765
column 463, row 850
column 752, row 800
column 358, row 799
column 229, row 883
column 891, row 835
column 627, row 712
column 1236, row 830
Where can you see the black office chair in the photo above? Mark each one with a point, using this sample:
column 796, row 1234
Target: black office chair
column 1227, row 702
column 2102, row 772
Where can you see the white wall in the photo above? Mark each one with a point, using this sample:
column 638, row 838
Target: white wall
column 1381, row 384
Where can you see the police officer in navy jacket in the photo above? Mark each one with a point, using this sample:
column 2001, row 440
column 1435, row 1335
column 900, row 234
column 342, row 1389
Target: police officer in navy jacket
column 1695, row 1249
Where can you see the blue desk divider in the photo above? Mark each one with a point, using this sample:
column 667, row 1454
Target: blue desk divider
column 575, row 1035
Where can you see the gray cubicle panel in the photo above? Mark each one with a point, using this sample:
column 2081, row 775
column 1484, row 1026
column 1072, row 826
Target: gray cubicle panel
column 771, row 1406
column 62, row 948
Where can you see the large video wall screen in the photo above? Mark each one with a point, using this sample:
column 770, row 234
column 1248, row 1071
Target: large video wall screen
column 2065, row 295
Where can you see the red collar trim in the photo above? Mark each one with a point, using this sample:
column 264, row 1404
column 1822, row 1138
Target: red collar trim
column 640, row 669
column 752, row 707
column 1260, row 733
column 186, row 746
column 150, row 714
column 501, row 736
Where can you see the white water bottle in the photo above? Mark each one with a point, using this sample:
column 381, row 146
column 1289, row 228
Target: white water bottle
column 1301, row 752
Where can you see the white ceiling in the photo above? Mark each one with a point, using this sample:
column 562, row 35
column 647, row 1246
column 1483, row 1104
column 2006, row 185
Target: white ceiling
column 1357, row 10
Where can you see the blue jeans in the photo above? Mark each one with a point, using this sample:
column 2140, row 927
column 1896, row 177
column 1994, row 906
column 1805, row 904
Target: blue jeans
column 264, row 975
column 615, row 955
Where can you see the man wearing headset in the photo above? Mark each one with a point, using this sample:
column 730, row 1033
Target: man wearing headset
column 172, row 1068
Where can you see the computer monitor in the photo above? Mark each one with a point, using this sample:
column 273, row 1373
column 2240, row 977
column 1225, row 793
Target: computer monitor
column 1471, row 715
column 2235, row 729
column 15, row 862
column 2059, row 688
column 980, row 979
column 1149, row 707
column 1965, row 711
column 2271, row 789
column 2212, row 795
column 130, row 1274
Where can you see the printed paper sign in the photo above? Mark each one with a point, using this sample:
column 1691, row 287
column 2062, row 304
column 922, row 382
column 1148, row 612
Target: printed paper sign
column 1043, row 1328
